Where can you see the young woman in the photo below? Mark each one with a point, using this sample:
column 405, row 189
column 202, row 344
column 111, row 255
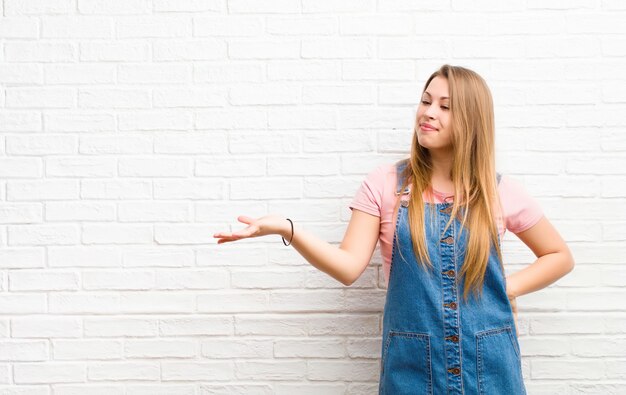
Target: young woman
column 449, row 323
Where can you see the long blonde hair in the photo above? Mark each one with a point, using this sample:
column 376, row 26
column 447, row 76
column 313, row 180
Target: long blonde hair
column 473, row 175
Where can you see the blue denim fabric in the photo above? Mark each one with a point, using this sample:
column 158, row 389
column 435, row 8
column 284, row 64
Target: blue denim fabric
column 433, row 341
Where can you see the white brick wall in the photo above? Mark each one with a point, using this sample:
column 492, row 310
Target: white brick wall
column 132, row 130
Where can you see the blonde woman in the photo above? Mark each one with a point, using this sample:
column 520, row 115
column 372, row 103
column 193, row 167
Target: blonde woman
column 449, row 322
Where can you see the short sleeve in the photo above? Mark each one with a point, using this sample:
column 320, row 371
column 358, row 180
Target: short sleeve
column 521, row 210
column 369, row 196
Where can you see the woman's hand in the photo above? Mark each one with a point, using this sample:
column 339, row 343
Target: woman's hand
column 267, row 225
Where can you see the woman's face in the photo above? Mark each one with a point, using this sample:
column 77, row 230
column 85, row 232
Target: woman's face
column 433, row 116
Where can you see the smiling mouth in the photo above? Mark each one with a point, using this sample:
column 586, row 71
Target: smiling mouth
column 427, row 129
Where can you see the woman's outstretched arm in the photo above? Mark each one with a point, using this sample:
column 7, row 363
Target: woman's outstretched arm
column 345, row 263
column 554, row 260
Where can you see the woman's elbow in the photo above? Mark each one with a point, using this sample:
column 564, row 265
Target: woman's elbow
column 569, row 259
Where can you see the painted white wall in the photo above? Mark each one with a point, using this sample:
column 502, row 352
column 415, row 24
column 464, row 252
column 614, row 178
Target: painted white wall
column 132, row 130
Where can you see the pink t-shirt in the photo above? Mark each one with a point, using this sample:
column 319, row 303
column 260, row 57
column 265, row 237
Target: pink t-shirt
column 377, row 196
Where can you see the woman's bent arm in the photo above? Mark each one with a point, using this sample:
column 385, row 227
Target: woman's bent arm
column 345, row 263
column 554, row 260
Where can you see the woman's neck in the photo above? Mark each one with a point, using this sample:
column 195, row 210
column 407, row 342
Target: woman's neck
column 441, row 176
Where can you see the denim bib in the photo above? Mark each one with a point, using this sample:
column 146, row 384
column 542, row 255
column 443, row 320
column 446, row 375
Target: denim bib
column 434, row 342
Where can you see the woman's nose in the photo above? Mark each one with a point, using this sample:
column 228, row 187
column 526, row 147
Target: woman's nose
column 430, row 112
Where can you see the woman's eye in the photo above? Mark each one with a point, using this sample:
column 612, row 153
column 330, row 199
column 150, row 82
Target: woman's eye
column 445, row 108
column 425, row 102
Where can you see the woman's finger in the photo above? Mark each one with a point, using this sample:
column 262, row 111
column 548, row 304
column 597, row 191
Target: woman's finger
column 245, row 219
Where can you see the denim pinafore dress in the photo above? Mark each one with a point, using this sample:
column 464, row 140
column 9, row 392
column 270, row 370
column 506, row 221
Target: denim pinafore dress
column 434, row 342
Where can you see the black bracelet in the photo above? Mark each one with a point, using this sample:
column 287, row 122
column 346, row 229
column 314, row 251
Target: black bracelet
column 284, row 242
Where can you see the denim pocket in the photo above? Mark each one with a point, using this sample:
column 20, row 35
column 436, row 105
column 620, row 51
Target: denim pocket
column 406, row 364
column 499, row 363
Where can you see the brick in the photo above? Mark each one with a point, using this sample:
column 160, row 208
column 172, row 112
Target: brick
column 193, row 189
column 77, row 389
column 76, row 27
column 335, row 48
column 154, row 73
column 117, row 280
column 153, row 212
column 116, row 7
column 304, row 25
column 160, row 349
column 21, row 121
column 315, row 388
column 153, row 27
column 114, row 51
column 41, row 145
column 84, row 257
column 148, row 371
column 266, row 7
column 48, row 373
column 230, row 119
column 117, row 234
column 26, row 280
column 329, row 6
column 79, row 211
column 271, row 370
column 21, row 74
column 331, row 94
column 192, row 279
column 24, row 351
column 231, row 71
column 264, row 49
column 264, row 94
column 38, row 7
column 83, row 303
column 197, row 371
column 79, row 122
column 40, row 97
column 178, row 234
column 43, row 235
column 158, row 257
column 121, row 326
column 82, row 349
column 116, row 189
column 151, row 120
column 267, row 188
column 196, row 325
column 567, row 369
column 188, row 5
column 20, row 213
column 161, row 388
column 154, row 167
column 305, row 348
column 157, row 302
column 40, row 52
column 114, row 98
column 21, row 258
column 307, row 70
column 116, row 144
column 175, row 50
column 76, row 166
column 46, row 327
column 379, row 25
column 335, row 370
column 267, row 279
column 243, row 348
column 317, row 165
column 236, row 301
